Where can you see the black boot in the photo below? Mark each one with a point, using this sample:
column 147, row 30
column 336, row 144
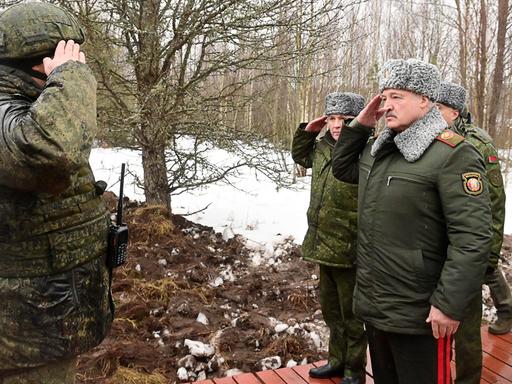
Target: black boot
column 325, row 371
column 501, row 326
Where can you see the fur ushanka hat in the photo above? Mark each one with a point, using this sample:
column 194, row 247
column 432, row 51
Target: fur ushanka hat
column 452, row 95
column 411, row 75
column 343, row 103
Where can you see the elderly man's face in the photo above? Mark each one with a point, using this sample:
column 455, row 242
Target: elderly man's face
column 403, row 108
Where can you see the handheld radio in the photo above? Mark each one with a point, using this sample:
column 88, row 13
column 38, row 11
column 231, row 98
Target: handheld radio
column 118, row 233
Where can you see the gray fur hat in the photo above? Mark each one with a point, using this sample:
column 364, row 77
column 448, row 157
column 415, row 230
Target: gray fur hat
column 343, row 103
column 452, row 95
column 411, row 75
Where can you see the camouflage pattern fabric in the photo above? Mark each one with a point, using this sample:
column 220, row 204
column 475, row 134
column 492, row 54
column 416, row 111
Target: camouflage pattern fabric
column 468, row 345
column 61, row 372
column 331, row 238
column 331, row 242
column 500, row 293
column 347, row 341
column 54, row 283
column 484, row 144
column 34, row 29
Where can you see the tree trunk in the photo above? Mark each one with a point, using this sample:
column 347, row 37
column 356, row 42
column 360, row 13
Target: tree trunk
column 156, row 188
column 461, row 26
column 482, row 66
column 497, row 81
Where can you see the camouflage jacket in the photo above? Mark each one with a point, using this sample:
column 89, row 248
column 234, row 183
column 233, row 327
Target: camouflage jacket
column 54, row 285
column 332, row 215
column 484, row 144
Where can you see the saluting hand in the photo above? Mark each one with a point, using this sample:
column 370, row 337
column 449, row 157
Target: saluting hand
column 64, row 52
column 441, row 324
column 371, row 113
column 316, row 125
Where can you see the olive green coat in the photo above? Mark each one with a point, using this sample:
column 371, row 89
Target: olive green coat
column 54, row 284
column 484, row 144
column 332, row 214
column 424, row 233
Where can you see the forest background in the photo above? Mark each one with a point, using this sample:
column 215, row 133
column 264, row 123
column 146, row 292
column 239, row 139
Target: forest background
column 242, row 74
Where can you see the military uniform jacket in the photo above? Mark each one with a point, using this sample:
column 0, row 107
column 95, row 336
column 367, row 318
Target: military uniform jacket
column 424, row 214
column 54, row 286
column 331, row 238
column 484, row 144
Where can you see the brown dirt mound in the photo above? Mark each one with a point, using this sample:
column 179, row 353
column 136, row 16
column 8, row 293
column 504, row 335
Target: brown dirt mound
column 171, row 276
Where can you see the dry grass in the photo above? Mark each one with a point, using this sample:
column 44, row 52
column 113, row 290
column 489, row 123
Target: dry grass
column 165, row 290
column 299, row 300
column 130, row 376
column 287, row 346
column 149, row 223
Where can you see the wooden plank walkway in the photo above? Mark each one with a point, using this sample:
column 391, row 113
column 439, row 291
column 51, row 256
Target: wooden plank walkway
column 497, row 351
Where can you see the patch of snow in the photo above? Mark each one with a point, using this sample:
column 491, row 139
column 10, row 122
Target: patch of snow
column 201, row 318
column 199, row 349
column 233, row 372
column 270, row 363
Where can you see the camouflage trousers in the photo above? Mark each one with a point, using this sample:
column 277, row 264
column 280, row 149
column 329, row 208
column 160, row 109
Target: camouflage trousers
column 500, row 293
column 468, row 346
column 61, row 372
column 347, row 341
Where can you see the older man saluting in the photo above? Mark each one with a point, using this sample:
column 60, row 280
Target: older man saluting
column 424, row 230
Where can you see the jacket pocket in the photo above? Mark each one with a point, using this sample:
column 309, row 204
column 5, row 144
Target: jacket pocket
column 400, row 272
column 76, row 245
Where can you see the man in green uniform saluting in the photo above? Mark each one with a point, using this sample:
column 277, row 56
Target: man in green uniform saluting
column 331, row 238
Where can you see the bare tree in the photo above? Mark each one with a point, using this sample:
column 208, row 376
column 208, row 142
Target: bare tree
column 499, row 67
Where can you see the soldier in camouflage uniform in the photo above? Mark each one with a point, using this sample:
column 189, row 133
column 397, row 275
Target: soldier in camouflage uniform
column 332, row 236
column 54, row 284
column 468, row 345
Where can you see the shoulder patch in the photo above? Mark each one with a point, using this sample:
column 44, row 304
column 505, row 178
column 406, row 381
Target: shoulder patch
column 472, row 183
column 495, row 178
column 450, row 138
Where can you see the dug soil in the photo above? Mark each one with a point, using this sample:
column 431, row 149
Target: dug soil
column 191, row 305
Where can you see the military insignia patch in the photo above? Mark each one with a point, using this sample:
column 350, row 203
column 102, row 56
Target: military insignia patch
column 495, row 178
column 450, row 138
column 472, row 182
column 447, row 135
column 492, row 159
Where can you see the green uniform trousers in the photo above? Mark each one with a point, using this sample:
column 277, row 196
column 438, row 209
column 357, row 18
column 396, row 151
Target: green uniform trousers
column 468, row 346
column 500, row 293
column 347, row 342
column 60, row 372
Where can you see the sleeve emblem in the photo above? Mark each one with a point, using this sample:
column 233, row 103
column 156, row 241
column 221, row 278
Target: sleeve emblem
column 472, row 182
column 492, row 159
column 495, row 178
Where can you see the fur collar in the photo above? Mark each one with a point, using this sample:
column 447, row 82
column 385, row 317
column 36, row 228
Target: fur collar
column 415, row 140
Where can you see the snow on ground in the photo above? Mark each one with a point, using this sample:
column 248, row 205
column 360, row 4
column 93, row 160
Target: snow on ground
column 254, row 207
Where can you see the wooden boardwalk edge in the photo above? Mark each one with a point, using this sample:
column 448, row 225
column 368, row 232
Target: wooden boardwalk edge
column 497, row 362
